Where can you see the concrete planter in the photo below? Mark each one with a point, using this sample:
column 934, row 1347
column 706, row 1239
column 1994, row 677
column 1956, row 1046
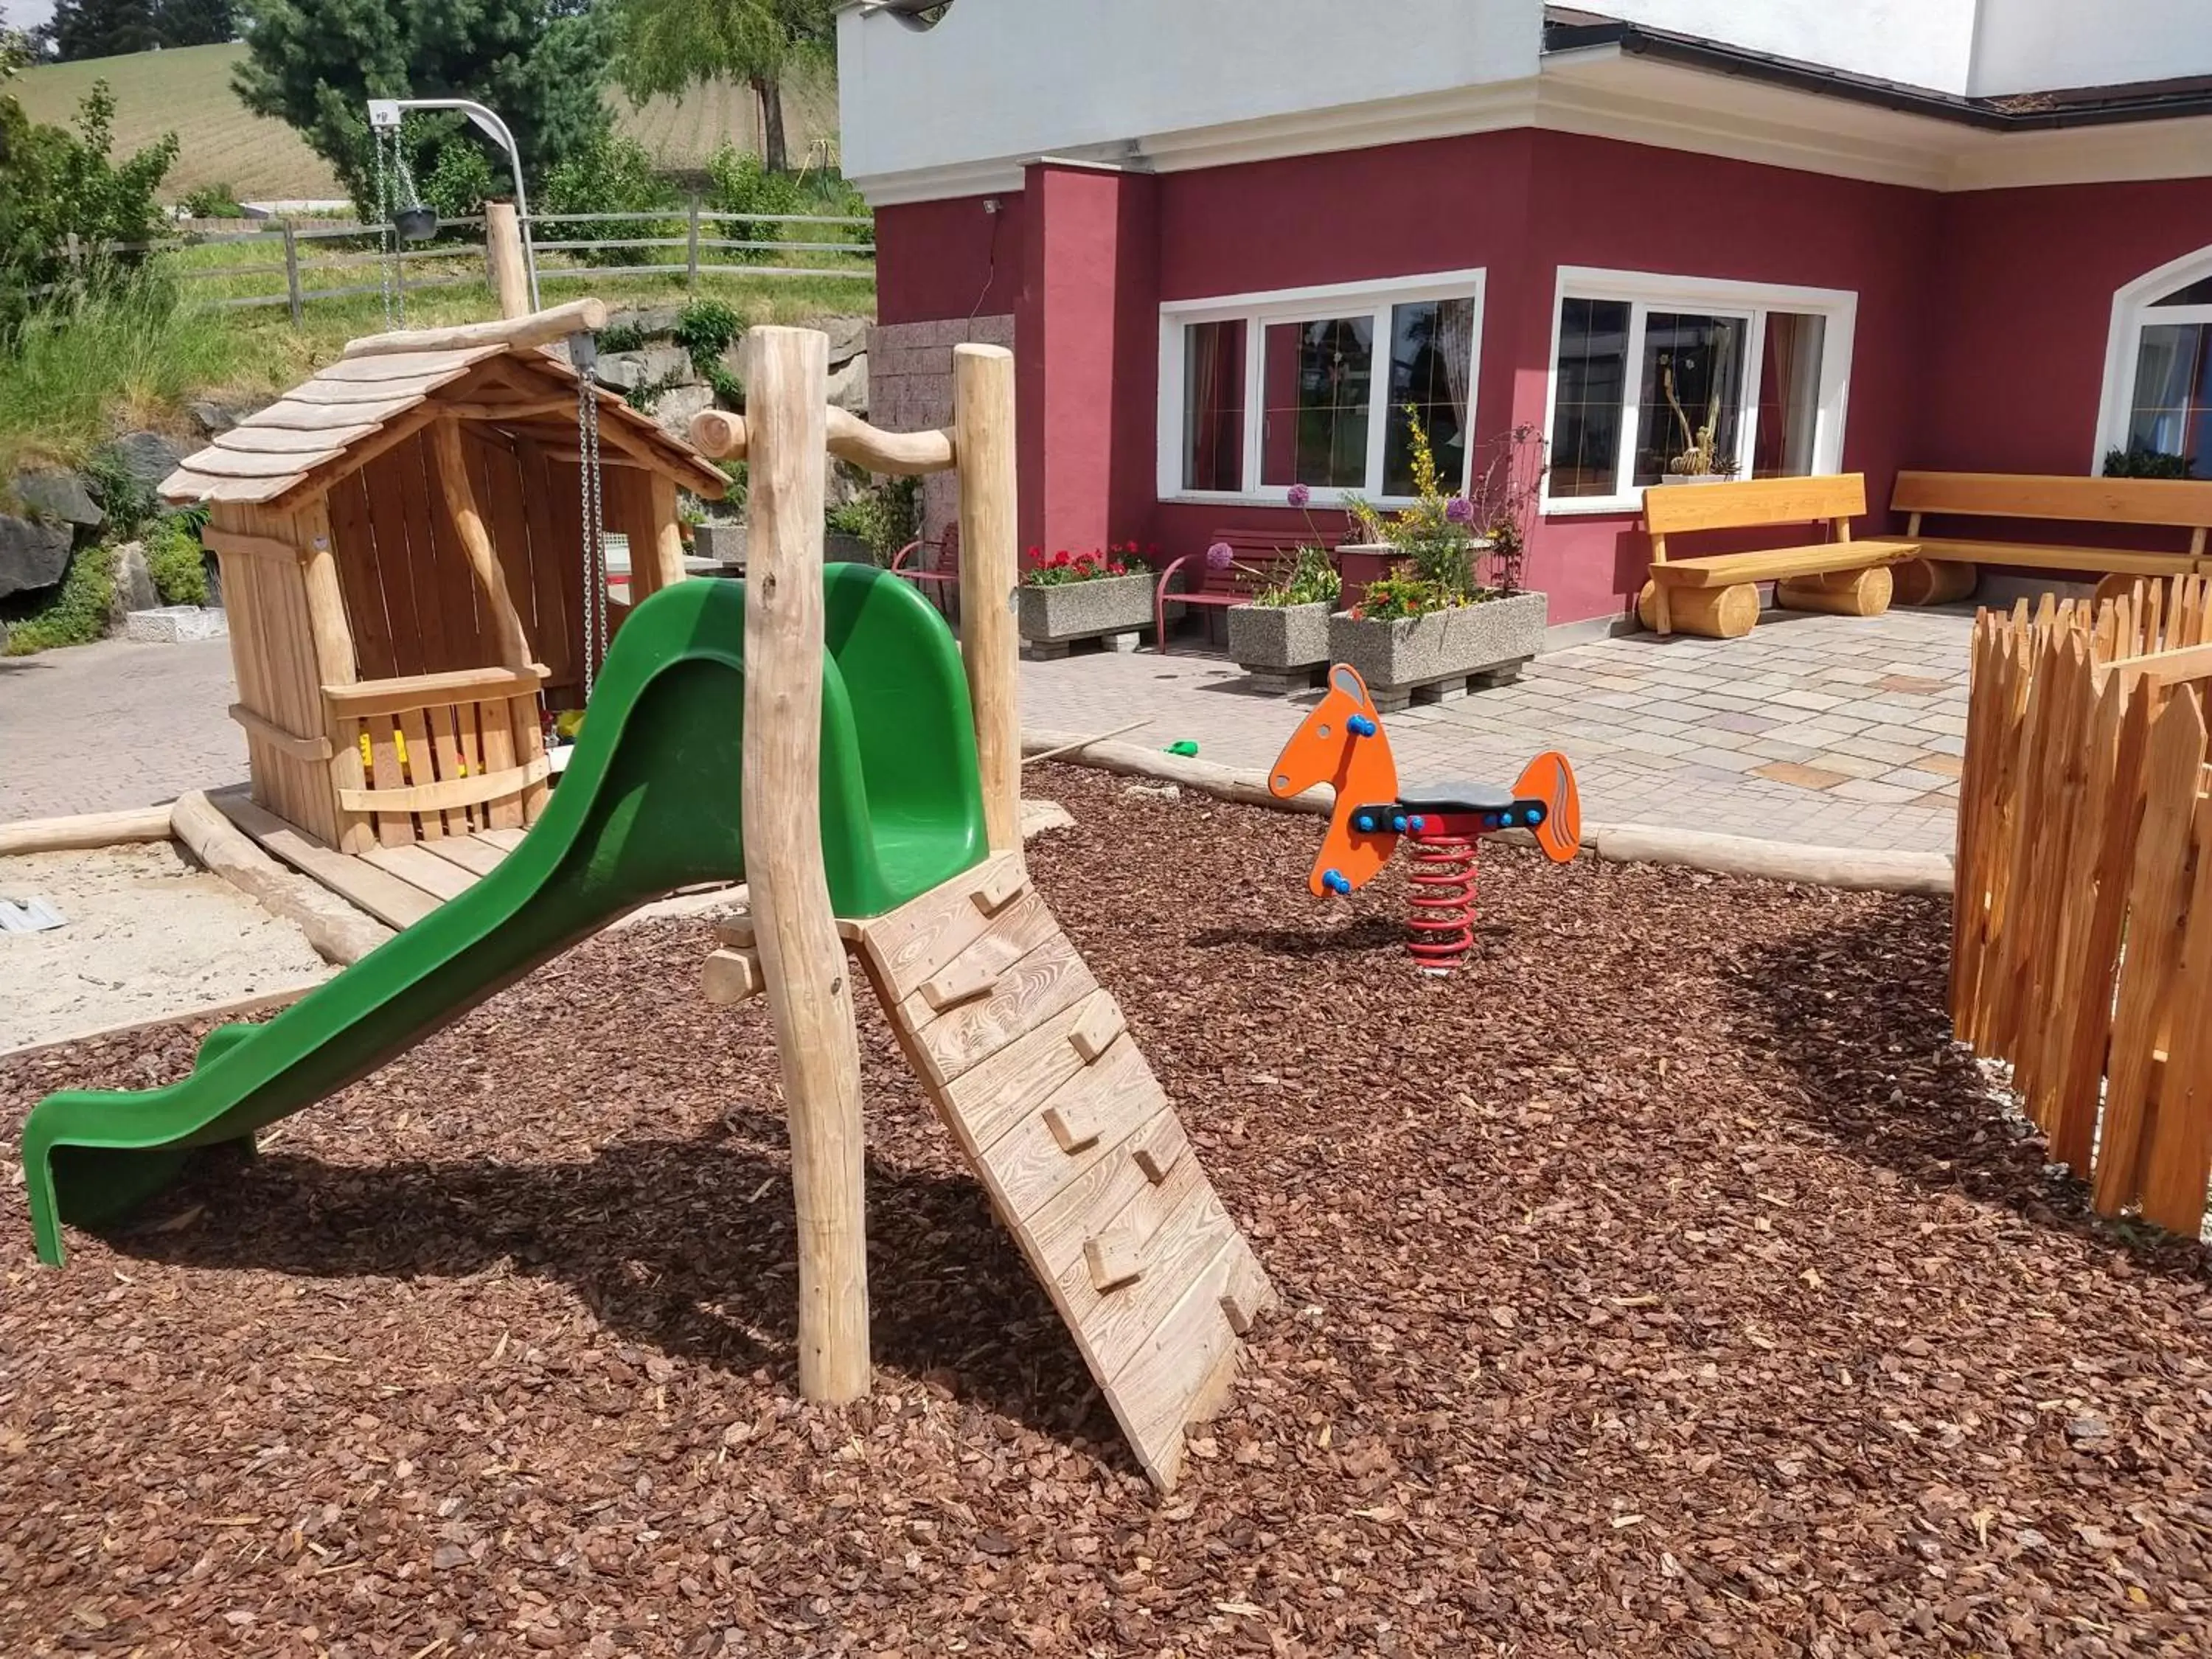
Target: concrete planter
column 1449, row 647
column 1083, row 610
column 1280, row 642
column 722, row 541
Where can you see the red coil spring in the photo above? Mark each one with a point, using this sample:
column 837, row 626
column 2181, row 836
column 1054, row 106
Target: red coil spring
column 1441, row 922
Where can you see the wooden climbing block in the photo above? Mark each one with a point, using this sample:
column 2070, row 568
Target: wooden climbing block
column 1092, row 1117
column 1157, row 1148
column 911, row 944
column 967, row 978
column 1113, row 1260
column 733, row 976
column 1001, row 885
column 736, row 931
column 1246, row 1292
column 1094, row 1032
column 1048, row 979
column 1012, row 1085
column 1075, row 1127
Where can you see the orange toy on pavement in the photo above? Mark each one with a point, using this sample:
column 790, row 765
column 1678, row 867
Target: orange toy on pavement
column 1342, row 744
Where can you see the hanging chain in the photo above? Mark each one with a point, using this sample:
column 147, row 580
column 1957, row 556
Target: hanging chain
column 387, row 229
column 584, row 358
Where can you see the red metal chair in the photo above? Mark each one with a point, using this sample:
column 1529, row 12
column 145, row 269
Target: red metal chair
column 1261, row 556
column 934, row 568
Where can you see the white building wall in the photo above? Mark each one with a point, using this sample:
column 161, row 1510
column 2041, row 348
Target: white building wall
column 1921, row 43
column 2036, row 46
column 1020, row 78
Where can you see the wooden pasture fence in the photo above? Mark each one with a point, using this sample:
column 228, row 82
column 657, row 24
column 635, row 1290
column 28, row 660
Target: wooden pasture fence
column 2081, row 949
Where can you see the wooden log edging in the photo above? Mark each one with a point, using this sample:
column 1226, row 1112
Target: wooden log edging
column 339, row 932
column 84, row 831
column 1848, row 868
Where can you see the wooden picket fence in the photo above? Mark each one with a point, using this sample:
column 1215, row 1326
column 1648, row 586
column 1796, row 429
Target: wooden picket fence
column 2081, row 947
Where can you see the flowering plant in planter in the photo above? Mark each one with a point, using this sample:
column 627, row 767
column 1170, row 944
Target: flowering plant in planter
column 1063, row 567
column 1430, row 619
column 1312, row 580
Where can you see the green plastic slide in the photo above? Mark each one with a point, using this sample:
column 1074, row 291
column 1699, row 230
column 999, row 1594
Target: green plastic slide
column 649, row 803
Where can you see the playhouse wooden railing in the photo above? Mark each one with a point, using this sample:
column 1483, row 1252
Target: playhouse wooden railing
column 2081, row 949
column 429, row 756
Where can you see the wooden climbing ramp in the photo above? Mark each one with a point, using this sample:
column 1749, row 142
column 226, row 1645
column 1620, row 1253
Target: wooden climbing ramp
column 1056, row 1111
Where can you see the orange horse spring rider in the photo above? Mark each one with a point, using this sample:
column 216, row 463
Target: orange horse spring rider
column 1342, row 743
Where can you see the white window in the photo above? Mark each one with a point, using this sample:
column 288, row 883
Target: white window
column 1312, row 387
column 1654, row 377
column 2158, row 376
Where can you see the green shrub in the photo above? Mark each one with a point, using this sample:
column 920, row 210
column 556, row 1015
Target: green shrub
column 76, row 612
column 705, row 329
column 886, row 516
column 177, row 562
column 2139, row 461
column 737, row 183
column 56, row 184
column 611, row 174
column 458, row 180
column 213, row 201
column 621, row 336
column 127, row 503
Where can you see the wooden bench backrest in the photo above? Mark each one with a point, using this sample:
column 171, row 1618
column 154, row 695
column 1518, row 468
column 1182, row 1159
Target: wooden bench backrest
column 1259, row 549
column 1676, row 509
column 2182, row 502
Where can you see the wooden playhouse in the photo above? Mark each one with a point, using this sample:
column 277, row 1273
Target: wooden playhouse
column 403, row 556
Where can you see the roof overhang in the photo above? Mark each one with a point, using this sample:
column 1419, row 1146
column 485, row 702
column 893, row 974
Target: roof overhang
column 1716, row 103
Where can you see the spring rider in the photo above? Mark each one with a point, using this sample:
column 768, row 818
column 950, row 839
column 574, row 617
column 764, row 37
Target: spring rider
column 1342, row 743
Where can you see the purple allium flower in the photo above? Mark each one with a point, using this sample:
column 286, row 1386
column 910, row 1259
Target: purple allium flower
column 1299, row 494
column 1220, row 556
column 1459, row 510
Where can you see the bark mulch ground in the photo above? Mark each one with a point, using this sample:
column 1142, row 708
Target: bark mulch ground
column 1663, row 1283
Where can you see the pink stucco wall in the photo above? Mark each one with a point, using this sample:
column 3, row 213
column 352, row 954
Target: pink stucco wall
column 1978, row 345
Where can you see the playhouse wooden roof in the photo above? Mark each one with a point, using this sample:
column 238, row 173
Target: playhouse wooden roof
column 356, row 408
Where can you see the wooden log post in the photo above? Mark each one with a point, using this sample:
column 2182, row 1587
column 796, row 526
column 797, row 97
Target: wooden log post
column 510, row 278
column 461, row 497
column 983, row 442
column 335, row 663
column 808, row 984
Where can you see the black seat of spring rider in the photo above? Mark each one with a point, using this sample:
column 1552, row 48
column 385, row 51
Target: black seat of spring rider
column 1454, row 797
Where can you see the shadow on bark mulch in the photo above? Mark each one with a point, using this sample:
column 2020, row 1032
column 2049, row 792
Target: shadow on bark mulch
column 1665, row 1283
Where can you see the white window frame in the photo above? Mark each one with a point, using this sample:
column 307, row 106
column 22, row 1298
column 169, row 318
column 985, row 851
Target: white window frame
column 2132, row 313
column 1646, row 291
column 1257, row 312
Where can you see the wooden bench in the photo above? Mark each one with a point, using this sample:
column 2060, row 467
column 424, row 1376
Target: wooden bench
column 1262, row 560
column 1716, row 594
column 1949, row 565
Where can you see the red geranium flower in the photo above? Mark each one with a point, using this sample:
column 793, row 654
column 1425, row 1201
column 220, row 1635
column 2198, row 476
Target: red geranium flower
column 1060, row 559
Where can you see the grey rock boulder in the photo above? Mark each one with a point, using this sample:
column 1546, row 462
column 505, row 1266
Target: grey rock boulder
column 148, row 457
column 626, row 371
column 32, row 554
column 648, row 320
column 848, row 385
column 134, row 584
column 212, row 417
column 848, row 336
column 673, row 409
column 59, row 496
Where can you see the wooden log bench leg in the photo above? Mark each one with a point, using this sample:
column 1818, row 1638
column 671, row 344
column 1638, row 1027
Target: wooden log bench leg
column 1715, row 613
column 1933, row 582
column 1838, row 592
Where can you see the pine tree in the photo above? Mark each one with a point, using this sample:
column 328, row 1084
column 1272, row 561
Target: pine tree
column 315, row 63
column 194, row 22
column 103, row 28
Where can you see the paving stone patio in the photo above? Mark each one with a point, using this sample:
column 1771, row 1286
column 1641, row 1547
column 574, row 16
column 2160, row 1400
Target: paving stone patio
column 1829, row 730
